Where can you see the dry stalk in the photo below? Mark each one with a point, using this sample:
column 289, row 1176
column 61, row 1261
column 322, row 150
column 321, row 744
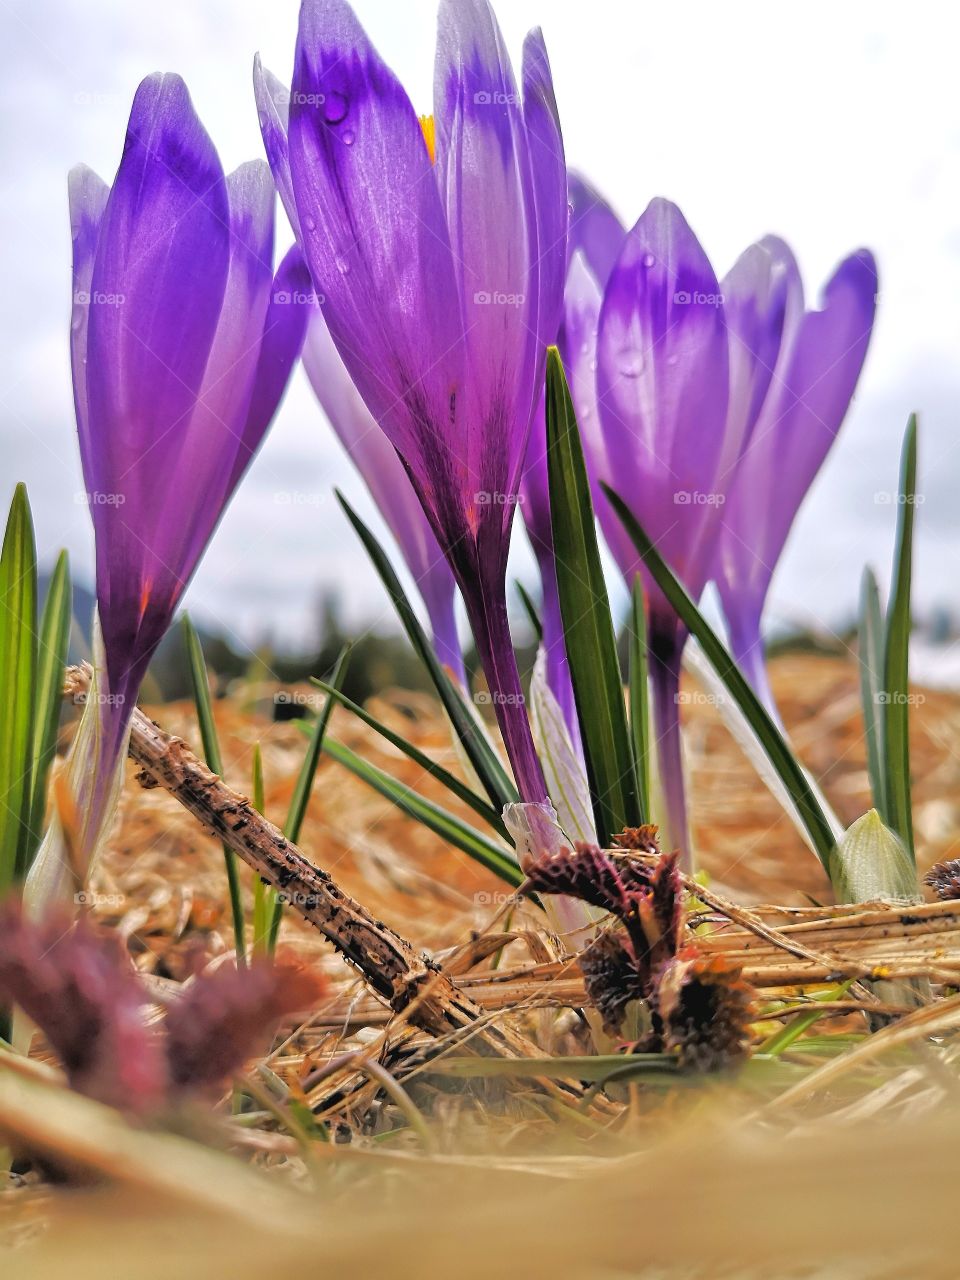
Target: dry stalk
column 413, row 985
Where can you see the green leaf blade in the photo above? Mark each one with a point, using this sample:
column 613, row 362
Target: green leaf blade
column 494, row 779
column 870, row 646
column 451, row 828
column 18, row 669
column 587, row 622
column 51, row 665
column 896, row 720
column 774, row 744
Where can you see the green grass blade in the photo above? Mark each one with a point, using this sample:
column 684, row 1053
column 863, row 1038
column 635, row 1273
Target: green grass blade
column 870, row 653
column 264, row 895
column 587, row 622
column 640, row 692
column 449, row 780
column 781, row 1040
column 896, row 652
column 452, row 829
column 772, row 740
column 18, row 663
column 533, row 614
column 300, row 799
column 494, row 779
column 308, row 770
column 211, row 752
column 51, row 664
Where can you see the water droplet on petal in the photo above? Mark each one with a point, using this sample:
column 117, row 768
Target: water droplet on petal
column 343, row 266
column 631, row 364
column 310, row 222
column 649, row 260
column 673, row 360
column 335, row 107
column 348, row 136
column 593, row 366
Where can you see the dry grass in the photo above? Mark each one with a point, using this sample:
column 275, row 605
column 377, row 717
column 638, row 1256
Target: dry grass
column 726, row 1178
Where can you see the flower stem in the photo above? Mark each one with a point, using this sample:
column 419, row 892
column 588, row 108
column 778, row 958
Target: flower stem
column 487, row 611
column 746, row 645
column 665, row 654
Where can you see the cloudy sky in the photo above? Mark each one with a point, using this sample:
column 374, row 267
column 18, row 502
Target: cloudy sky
column 833, row 126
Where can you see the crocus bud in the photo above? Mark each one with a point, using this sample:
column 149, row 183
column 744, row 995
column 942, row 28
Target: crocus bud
column 870, row 864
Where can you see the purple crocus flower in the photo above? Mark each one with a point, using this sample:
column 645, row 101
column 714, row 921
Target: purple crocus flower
column 182, row 343
column 668, row 369
column 817, row 370
column 376, row 459
column 439, row 250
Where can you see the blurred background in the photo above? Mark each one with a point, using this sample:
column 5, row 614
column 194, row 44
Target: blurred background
column 833, row 126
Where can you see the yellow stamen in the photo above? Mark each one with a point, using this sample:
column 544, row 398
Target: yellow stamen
column 429, row 137
column 144, row 599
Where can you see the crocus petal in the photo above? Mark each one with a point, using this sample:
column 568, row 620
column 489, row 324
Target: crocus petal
column 88, row 197
column 204, row 462
column 162, row 257
column 156, row 294
column 284, row 327
column 373, row 230
column 662, row 382
column 581, row 320
column 595, row 230
column 798, row 423
column 383, row 473
column 762, row 302
column 486, row 184
column 273, row 110
column 549, row 171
